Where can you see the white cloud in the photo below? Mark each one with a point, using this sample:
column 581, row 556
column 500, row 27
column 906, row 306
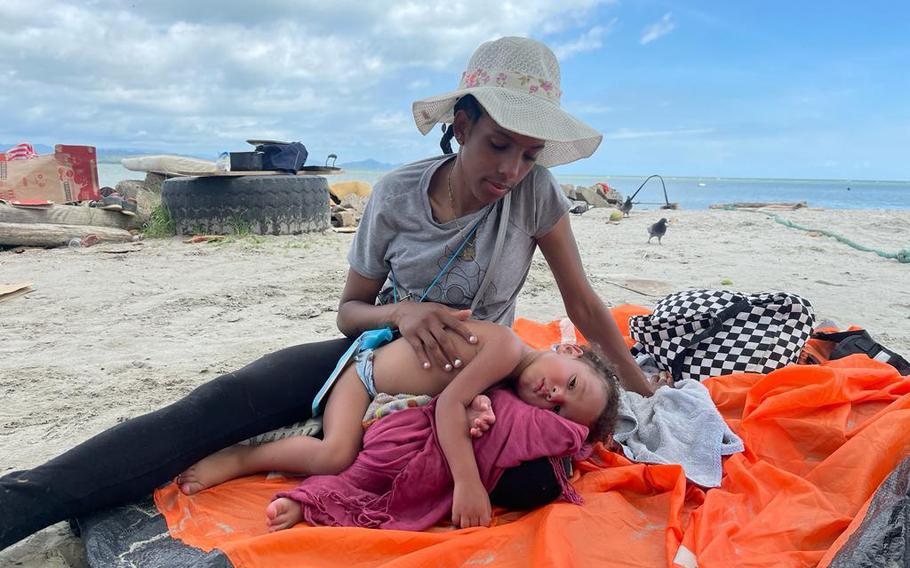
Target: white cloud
column 589, row 107
column 418, row 84
column 628, row 134
column 396, row 122
column 658, row 30
column 204, row 75
column 588, row 41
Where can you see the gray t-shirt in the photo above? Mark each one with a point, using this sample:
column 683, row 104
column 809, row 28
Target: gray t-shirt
column 398, row 235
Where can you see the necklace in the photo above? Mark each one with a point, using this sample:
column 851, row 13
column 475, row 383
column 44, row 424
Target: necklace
column 452, row 197
column 468, row 252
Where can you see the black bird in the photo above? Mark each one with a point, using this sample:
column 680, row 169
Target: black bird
column 658, row 229
column 626, row 206
column 579, row 207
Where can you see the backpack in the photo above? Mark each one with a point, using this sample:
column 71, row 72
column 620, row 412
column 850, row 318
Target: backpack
column 827, row 346
column 286, row 157
column 697, row 334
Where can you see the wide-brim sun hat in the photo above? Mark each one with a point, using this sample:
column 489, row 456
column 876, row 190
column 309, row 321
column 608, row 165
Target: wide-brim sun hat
column 517, row 81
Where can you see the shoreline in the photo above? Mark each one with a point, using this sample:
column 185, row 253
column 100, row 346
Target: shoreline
column 107, row 336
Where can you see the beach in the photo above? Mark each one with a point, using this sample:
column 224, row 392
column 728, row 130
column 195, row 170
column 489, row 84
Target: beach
column 110, row 332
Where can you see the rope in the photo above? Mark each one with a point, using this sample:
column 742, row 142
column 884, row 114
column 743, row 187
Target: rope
column 902, row 256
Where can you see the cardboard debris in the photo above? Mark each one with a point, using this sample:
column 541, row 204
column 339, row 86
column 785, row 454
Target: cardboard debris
column 10, row 291
column 204, row 239
column 69, row 174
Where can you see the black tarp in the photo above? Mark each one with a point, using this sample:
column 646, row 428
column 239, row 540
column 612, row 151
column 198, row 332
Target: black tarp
column 883, row 536
column 136, row 536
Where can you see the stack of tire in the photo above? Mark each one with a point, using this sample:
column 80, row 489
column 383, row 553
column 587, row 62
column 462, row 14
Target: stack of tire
column 264, row 204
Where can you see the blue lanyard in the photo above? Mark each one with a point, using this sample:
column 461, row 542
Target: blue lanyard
column 373, row 338
column 447, row 265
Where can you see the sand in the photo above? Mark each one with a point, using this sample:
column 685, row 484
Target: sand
column 113, row 331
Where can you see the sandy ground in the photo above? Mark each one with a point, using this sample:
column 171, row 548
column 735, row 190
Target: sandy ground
column 109, row 335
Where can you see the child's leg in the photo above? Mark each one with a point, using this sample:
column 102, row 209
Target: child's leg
column 343, row 435
column 283, row 513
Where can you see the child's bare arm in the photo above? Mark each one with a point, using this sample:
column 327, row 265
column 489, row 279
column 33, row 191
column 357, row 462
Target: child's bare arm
column 496, row 358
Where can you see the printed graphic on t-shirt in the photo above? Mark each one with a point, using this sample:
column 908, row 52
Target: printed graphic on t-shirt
column 457, row 287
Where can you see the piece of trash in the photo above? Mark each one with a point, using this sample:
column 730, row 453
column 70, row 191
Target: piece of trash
column 10, row 291
column 204, row 239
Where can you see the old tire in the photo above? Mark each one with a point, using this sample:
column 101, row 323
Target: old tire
column 267, row 205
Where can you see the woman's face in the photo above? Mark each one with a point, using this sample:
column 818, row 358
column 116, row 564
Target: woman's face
column 493, row 159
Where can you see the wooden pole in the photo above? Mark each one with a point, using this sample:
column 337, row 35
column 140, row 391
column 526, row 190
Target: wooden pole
column 54, row 235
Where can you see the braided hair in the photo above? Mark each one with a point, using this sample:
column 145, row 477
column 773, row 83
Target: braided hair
column 474, row 111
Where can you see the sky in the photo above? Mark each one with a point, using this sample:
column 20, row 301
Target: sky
column 768, row 89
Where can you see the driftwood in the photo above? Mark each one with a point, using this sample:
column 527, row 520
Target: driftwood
column 760, row 205
column 54, row 235
column 66, row 215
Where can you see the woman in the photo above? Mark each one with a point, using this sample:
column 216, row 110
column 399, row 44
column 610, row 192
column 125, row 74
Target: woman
column 441, row 213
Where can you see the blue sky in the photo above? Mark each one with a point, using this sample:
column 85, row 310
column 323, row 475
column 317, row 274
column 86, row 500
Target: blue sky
column 741, row 89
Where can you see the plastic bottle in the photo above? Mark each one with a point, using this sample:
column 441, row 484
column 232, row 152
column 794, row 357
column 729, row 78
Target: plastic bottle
column 223, row 163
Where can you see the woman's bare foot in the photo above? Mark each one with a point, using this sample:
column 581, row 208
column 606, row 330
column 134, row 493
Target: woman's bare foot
column 480, row 415
column 216, row 468
column 283, row 513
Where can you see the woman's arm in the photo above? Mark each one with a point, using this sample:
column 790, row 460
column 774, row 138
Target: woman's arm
column 424, row 325
column 499, row 354
column 585, row 308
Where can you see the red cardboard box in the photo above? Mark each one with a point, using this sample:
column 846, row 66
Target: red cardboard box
column 68, row 175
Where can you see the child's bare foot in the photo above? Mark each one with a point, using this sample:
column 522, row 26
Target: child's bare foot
column 216, row 468
column 283, row 513
column 480, row 415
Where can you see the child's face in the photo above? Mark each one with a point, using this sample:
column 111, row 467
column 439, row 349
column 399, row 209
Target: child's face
column 564, row 384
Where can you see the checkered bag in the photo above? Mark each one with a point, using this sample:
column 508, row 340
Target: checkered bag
column 697, row 334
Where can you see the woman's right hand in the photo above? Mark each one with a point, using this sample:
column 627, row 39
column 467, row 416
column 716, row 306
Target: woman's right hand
column 428, row 327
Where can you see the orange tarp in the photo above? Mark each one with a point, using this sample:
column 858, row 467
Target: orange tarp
column 819, row 440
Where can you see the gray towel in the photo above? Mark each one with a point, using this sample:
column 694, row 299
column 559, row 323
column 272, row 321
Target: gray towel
column 680, row 425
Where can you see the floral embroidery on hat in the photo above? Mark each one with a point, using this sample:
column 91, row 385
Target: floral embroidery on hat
column 475, row 79
column 512, row 80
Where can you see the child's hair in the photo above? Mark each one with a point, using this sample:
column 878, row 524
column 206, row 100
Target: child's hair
column 474, row 111
column 605, row 424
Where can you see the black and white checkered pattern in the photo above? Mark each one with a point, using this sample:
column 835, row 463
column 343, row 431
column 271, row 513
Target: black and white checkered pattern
column 767, row 335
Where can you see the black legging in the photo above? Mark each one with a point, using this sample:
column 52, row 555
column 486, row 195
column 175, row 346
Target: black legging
column 128, row 461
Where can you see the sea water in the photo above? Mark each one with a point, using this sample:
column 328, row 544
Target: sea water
column 689, row 192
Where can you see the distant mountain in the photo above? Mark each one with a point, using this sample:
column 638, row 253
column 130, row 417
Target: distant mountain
column 105, row 155
column 369, row 165
column 114, row 155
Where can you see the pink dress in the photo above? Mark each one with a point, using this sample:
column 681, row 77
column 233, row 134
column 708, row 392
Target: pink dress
column 400, row 480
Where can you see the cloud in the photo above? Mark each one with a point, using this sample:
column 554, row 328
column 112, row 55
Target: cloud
column 658, row 30
column 583, row 108
column 588, row 41
column 627, row 134
column 418, row 84
column 199, row 76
